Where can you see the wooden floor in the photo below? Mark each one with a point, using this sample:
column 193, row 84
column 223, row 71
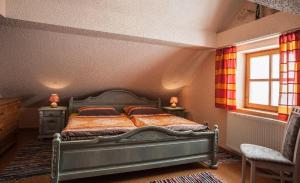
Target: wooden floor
column 230, row 172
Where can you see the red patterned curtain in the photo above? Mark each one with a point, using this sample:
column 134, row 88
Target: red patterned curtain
column 225, row 90
column 289, row 73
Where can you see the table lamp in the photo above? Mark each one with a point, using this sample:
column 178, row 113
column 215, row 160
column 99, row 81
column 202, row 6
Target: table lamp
column 173, row 101
column 54, row 99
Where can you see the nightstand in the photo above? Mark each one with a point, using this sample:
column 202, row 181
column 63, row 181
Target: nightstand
column 52, row 120
column 177, row 111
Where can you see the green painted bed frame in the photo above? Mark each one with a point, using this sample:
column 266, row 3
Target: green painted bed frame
column 140, row 149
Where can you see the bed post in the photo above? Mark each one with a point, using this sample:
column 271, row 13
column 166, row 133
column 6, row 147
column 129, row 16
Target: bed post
column 214, row 160
column 71, row 105
column 159, row 102
column 55, row 158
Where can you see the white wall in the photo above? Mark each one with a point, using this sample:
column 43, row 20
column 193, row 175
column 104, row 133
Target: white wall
column 199, row 98
column 3, row 7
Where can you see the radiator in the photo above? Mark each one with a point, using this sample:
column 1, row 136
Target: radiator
column 244, row 128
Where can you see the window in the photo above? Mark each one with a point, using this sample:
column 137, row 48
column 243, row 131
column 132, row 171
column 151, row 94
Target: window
column 262, row 80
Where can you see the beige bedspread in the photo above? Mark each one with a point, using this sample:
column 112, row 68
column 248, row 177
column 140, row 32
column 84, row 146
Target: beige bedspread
column 168, row 121
column 87, row 127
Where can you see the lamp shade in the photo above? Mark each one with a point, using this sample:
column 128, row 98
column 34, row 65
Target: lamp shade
column 174, row 100
column 54, row 98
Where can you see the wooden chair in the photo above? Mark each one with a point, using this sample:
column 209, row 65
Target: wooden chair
column 286, row 162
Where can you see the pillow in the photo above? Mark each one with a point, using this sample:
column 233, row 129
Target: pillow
column 134, row 110
column 97, row 111
column 127, row 108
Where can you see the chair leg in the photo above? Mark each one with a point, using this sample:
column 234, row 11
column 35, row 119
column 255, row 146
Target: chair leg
column 295, row 176
column 252, row 172
column 243, row 169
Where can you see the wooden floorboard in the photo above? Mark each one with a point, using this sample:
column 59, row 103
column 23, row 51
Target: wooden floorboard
column 229, row 172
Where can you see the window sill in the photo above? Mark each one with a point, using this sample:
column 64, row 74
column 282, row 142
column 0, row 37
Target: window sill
column 259, row 113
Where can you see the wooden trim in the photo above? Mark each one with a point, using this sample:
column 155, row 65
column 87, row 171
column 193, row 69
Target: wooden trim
column 270, row 79
column 262, row 107
column 258, row 113
column 107, row 98
column 268, row 107
column 264, row 52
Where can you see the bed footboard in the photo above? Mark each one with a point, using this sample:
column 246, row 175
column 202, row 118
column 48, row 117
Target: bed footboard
column 214, row 160
column 55, row 158
column 140, row 149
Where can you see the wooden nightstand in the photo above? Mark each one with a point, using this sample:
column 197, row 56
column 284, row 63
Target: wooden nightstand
column 177, row 111
column 52, row 120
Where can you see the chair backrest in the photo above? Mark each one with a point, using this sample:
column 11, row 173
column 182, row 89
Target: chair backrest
column 291, row 140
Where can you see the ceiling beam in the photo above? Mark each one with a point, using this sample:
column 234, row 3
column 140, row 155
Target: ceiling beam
column 270, row 25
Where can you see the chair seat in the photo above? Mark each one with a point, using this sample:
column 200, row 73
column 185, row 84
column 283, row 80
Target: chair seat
column 260, row 153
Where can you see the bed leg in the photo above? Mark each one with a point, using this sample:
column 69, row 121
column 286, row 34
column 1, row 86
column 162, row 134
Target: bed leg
column 55, row 158
column 214, row 160
column 54, row 180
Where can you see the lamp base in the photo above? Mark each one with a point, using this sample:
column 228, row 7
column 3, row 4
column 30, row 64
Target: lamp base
column 173, row 105
column 53, row 105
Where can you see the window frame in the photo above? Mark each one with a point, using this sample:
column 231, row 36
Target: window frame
column 247, row 104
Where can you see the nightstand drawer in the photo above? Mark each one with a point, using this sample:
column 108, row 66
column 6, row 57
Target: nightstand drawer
column 52, row 120
column 52, row 113
column 51, row 124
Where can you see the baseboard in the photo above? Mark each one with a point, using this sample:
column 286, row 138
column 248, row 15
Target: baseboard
column 230, row 151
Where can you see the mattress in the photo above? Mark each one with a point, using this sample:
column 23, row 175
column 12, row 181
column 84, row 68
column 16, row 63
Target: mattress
column 168, row 121
column 89, row 127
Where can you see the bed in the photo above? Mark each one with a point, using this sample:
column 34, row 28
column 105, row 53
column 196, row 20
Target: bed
column 140, row 148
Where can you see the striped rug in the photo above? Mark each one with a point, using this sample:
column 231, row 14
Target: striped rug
column 204, row 177
column 35, row 159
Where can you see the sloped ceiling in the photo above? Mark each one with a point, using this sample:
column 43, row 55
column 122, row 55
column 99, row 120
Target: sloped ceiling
column 44, row 50
column 35, row 63
column 77, row 48
column 189, row 22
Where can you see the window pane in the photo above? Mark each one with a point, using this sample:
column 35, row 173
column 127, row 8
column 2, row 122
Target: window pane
column 259, row 92
column 275, row 66
column 259, row 67
column 275, row 93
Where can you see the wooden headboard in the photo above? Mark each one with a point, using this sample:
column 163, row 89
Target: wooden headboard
column 115, row 98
